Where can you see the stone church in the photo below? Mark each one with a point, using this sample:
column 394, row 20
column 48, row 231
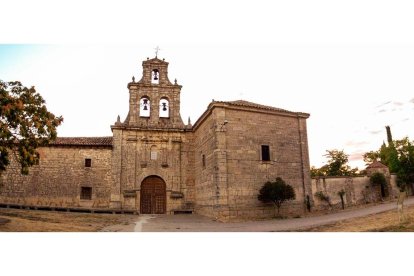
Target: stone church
column 156, row 164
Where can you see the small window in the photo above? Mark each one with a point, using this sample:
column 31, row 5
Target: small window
column 154, row 153
column 88, row 162
column 86, row 193
column 203, row 158
column 265, row 153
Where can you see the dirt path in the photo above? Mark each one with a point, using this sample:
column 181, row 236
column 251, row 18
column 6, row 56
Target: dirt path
column 196, row 223
column 19, row 220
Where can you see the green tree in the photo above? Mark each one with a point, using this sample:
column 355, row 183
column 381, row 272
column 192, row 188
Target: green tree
column 398, row 156
column 276, row 192
column 337, row 165
column 25, row 125
column 371, row 156
column 315, row 172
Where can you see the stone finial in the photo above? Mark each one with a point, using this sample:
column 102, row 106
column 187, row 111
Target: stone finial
column 189, row 125
column 118, row 120
column 175, row 81
column 133, row 79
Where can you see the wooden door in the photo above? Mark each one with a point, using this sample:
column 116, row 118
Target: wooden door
column 153, row 196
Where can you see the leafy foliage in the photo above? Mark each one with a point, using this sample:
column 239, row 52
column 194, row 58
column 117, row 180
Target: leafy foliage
column 276, row 192
column 337, row 165
column 378, row 179
column 25, row 124
column 371, row 156
column 399, row 157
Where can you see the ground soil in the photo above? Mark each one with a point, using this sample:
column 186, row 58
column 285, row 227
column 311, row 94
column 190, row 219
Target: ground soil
column 382, row 217
column 383, row 222
column 16, row 220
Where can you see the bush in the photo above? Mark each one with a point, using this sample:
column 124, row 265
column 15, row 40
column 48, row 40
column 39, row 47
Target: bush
column 276, row 192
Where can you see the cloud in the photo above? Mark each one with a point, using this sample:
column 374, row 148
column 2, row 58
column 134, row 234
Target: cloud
column 356, row 143
column 356, row 156
column 406, row 119
column 384, row 104
column 375, row 131
column 398, row 103
column 412, row 100
column 382, row 110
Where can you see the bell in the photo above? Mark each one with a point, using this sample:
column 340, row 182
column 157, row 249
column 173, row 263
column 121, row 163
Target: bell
column 164, row 107
column 155, row 75
column 145, row 101
column 145, row 107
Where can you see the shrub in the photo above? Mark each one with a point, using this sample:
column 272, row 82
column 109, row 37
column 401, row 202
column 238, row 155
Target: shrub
column 276, row 192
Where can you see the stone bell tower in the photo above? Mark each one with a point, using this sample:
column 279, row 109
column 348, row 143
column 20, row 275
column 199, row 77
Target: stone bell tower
column 154, row 102
column 150, row 153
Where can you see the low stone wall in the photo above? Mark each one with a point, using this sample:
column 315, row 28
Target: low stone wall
column 358, row 190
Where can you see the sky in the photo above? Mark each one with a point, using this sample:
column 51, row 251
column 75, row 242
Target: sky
column 351, row 70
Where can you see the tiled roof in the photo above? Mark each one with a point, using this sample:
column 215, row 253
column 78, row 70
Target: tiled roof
column 243, row 103
column 82, row 141
column 377, row 165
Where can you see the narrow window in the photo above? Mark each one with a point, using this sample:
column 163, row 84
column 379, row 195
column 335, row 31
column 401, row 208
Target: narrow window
column 155, row 76
column 265, row 153
column 164, row 108
column 154, row 153
column 144, row 107
column 203, row 158
column 88, row 163
column 86, row 193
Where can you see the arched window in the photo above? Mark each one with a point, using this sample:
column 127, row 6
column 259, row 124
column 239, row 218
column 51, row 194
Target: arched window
column 155, row 76
column 144, row 107
column 153, row 153
column 164, row 108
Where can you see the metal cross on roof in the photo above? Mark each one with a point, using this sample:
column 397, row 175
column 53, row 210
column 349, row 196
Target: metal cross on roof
column 157, row 49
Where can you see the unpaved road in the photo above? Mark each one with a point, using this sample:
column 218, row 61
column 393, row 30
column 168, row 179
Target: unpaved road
column 197, row 223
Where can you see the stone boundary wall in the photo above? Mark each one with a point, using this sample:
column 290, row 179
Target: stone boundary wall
column 358, row 191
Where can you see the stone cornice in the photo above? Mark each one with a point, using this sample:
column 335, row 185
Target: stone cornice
column 249, row 107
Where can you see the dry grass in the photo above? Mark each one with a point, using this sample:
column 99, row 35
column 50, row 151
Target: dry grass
column 47, row 221
column 383, row 222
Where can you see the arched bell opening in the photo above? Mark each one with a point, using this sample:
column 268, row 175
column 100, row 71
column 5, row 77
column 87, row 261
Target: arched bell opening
column 164, row 108
column 155, row 76
column 144, row 107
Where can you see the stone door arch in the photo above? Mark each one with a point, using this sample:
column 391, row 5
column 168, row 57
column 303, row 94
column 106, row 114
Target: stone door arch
column 153, row 196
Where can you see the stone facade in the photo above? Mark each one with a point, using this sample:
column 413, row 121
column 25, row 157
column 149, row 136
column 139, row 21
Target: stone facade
column 154, row 163
column 59, row 178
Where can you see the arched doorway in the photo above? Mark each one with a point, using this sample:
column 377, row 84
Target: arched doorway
column 153, row 196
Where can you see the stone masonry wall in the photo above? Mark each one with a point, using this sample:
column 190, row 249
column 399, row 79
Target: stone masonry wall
column 358, row 190
column 206, row 191
column 245, row 133
column 173, row 163
column 227, row 185
column 58, row 179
